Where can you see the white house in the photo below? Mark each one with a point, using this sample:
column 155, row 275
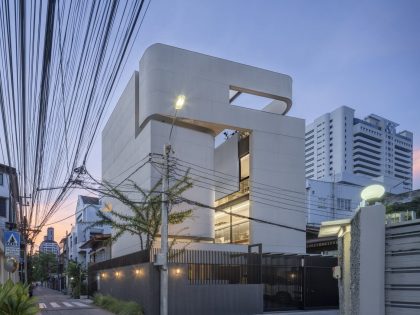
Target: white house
column 82, row 231
column 266, row 152
column 9, row 195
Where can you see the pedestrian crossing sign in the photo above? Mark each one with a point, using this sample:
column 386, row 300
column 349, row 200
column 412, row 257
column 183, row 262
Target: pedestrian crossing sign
column 12, row 244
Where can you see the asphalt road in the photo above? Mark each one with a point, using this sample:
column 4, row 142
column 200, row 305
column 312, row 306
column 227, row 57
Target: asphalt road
column 52, row 302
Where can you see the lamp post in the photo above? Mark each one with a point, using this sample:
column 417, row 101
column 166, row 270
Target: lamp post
column 163, row 259
column 372, row 193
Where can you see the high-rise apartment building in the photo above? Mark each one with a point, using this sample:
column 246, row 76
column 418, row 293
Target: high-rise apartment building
column 338, row 144
column 49, row 245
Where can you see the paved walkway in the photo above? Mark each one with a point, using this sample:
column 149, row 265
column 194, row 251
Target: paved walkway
column 318, row 312
column 52, row 302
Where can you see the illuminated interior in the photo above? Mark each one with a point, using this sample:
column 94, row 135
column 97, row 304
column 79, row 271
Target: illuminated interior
column 230, row 227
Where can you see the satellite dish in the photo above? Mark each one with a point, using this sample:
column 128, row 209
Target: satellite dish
column 10, row 264
column 372, row 192
column 107, row 207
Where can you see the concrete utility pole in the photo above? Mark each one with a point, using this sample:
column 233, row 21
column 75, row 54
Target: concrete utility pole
column 162, row 259
column 164, row 233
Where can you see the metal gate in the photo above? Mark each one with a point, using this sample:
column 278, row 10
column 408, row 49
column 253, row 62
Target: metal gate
column 402, row 268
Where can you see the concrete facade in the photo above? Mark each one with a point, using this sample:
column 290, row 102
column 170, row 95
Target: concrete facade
column 361, row 257
column 339, row 198
column 141, row 121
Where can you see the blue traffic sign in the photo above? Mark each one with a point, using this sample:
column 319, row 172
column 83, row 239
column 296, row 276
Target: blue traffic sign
column 12, row 244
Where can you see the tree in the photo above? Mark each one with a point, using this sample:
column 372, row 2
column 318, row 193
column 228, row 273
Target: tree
column 143, row 217
column 43, row 265
column 76, row 275
column 413, row 205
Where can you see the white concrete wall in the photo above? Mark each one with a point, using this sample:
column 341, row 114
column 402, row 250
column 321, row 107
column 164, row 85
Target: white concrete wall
column 277, row 160
column 226, row 161
column 372, row 260
column 361, row 255
column 322, row 203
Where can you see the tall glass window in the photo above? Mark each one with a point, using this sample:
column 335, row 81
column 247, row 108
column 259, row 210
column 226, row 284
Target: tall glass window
column 232, row 225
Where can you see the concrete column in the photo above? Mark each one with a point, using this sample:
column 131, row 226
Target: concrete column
column 372, row 260
column 362, row 260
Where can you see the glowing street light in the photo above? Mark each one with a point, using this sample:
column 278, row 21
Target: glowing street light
column 180, row 101
column 372, row 192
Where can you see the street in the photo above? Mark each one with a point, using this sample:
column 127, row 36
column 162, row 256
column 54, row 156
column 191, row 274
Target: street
column 52, row 302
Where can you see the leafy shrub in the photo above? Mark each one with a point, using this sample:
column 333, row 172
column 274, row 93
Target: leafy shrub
column 83, row 289
column 116, row 306
column 15, row 300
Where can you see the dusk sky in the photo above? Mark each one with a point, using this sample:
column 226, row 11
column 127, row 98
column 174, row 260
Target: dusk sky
column 363, row 54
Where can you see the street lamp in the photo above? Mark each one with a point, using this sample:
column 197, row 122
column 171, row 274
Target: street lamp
column 162, row 259
column 180, row 101
column 372, row 193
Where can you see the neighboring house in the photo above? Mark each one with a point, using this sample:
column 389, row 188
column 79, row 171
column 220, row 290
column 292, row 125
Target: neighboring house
column 265, row 153
column 82, row 231
column 338, row 199
column 98, row 247
column 338, row 144
column 64, row 261
column 9, row 197
column 402, row 207
column 49, row 245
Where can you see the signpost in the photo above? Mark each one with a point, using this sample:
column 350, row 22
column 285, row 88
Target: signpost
column 12, row 244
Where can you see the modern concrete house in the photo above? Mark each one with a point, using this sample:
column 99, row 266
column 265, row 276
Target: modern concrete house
column 265, row 152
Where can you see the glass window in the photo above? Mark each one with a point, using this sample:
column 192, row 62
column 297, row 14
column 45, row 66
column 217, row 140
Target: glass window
column 232, row 225
column 245, row 166
column 322, row 202
column 3, row 207
column 1, row 179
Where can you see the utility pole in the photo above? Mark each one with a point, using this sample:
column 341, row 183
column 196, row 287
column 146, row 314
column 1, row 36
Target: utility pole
column 162, row 257
column 164, row 233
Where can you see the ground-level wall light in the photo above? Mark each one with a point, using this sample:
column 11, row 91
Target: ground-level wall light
column 103, row 275
column 178, row 271
column 117, row 273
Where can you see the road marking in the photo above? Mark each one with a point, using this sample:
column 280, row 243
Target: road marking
column 79, row 304
column 67, row 304
column 42, row 305
column 55, row 305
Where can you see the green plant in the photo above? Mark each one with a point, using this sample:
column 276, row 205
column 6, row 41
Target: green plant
column 43, row 266
column 15, row 300
column 83, row 289
column 76, row 275
column 143, row 218
column 117, row 306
